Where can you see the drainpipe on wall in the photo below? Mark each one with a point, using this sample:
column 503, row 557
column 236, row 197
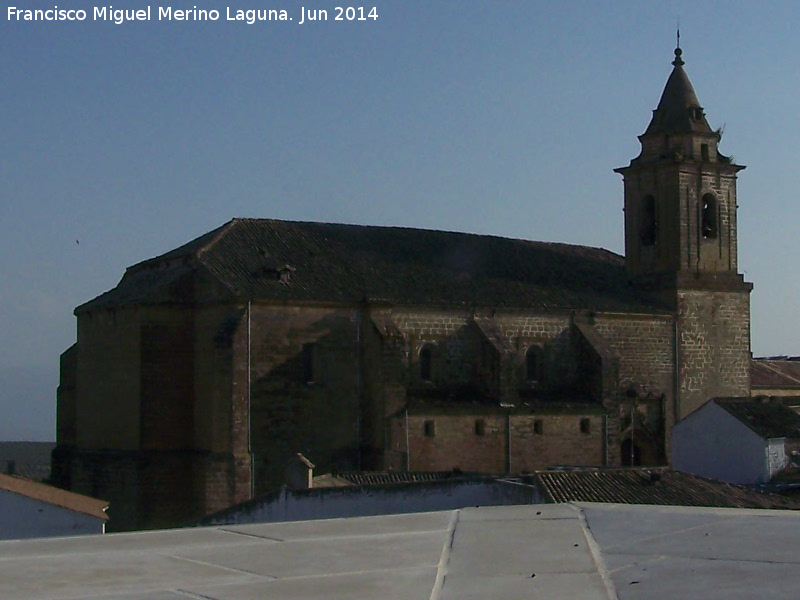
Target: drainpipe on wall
column 508, row 443
column 408, row 449
column 676, row 392
column 633, row 444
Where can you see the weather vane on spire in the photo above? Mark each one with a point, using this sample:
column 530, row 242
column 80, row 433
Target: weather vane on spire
column 678, row 60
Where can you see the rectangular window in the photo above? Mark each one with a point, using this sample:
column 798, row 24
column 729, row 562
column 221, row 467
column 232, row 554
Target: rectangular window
column 430, row 428
column 586, row 426
column 538, row 427
column 480, row 427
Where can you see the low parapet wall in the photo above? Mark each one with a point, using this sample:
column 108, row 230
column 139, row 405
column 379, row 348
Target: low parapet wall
column 371, row 500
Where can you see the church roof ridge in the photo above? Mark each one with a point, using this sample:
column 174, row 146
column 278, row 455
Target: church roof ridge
column 276, row 260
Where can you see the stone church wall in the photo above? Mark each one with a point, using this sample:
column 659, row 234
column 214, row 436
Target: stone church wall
column 500, row 443
column 645, row 347
column 714, row 349
column 305, row 388
column 326, row 382
column 109, row 379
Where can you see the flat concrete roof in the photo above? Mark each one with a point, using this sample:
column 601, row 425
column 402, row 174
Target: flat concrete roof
column 574, row 551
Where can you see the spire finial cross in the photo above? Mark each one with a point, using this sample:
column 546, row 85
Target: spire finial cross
column 678, row 52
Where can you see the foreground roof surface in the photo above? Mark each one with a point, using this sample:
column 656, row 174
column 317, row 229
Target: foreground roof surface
column 574, row 551
column 273, row 260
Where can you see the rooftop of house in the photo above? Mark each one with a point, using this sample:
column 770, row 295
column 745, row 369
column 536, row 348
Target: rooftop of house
column 657, row 485
column 55, row 496
column 775, row 372
column 384, row 477
column 578, row 551
column 768, row 418
column 626, row 485
column 272, row 260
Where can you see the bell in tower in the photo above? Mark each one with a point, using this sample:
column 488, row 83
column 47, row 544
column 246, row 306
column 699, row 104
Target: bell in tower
column 680, row 196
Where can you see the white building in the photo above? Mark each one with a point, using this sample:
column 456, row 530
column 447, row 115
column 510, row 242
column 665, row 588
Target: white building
column 31, row 509
column 738, row 440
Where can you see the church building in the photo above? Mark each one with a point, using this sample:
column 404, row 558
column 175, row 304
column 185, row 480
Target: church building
column 195, row 380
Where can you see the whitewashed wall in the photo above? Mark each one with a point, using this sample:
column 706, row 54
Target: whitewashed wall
column 712, row 443
column 22, row 517
column 776, row 456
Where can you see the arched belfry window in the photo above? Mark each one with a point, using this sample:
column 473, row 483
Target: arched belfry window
column 532, row 363
column 426, row 363
column 708, row 217
column 648, row 225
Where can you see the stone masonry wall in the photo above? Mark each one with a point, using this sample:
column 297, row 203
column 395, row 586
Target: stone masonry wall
column 645, row 347
column 108, row 379
column 714, row 347
column 460, row 351
column 484, row 444
column 305, row 388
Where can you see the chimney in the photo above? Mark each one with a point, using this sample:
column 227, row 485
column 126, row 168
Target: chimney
column 299, row 473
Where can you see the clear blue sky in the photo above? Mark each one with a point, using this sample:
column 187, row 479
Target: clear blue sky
column 121, row 142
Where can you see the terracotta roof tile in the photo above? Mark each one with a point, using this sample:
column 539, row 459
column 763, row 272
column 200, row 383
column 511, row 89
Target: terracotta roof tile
column 384, row 477
column 656, row 485
column 55, row 496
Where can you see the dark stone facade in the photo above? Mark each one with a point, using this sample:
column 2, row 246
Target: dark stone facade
column 197, row 378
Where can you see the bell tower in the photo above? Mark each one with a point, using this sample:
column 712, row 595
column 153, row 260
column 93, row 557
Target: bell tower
column 681, row 243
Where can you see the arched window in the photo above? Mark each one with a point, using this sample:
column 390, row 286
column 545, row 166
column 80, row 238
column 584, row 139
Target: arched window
column 532, row 364
column 426, row 363
column 648, row 225
column 708, row 217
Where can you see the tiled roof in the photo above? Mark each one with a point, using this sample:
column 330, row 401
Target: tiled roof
column 658, row 485
column 330, row 480
column 266, row 259
column 783, row 373
column 769, row 419
column 384, row 477
column 55, row 496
